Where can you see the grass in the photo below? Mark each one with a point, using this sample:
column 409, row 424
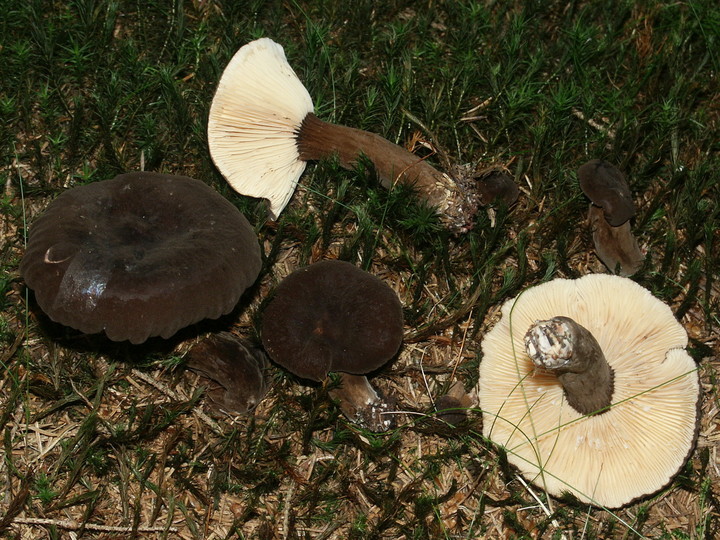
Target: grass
column 105, row 439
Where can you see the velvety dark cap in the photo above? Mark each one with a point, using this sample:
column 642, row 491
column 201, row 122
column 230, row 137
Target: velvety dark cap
column 605, row 185
column 332, row 316
column 141, row 255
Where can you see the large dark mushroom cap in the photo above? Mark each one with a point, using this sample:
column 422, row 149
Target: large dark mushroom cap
column 141, row 255
column 332, row 316
column 605, row 185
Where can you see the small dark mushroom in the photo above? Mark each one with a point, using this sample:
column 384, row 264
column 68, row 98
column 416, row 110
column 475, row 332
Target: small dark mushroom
column 495, row 186
column 452, row 407
column 333, row 317
column 609, row 216
column 262, row 131
column 141, row 255
column 616, row 247
column 450, row 410
column 607, row 188
column 232, row 372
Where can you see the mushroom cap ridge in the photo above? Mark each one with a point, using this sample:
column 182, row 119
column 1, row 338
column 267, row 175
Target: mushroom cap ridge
column 332, row 316
column 629, row 451
column 256, row 113
column 140, row 255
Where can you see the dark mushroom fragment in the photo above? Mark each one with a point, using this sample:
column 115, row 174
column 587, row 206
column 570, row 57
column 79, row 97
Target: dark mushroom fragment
column 609, row 216
column 262, row 130
column 616, row 247
column 452, row 406
column 607, row 188
column 449, row 409
column 333, row 317
column 600, row 399
column 497, row 186
column 141, row 255
column 233, row 373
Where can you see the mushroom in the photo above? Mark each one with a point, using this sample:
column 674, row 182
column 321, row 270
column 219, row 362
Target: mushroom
column 609, row 216
column 333, row 317
column 607, row 188
column 495, row 185
column 587, row 386
column 232, row 372
column 452, row 407
column 262, row 131
column 141, row 255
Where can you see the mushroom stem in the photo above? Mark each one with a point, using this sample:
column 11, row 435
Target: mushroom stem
column 455, row 201
column 616, row 247
column 361, row 403
column 569, row 350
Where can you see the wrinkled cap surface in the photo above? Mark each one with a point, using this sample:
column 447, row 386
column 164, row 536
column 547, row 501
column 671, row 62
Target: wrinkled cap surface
column 233, row 373
column 606, row 187
column 141, row 255
column 627, row 452
column 332, row 316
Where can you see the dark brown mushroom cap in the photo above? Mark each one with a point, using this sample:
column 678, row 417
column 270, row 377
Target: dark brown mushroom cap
column 496, row 186
column 332, row 316
column 233, row 373
column 606, row 187
column 141, row 255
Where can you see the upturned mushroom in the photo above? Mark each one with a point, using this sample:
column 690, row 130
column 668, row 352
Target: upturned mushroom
column 333, row 317
column 609, row 216
column 141, row 255
column 233, row 373
column 262, row 130
column 588, row 387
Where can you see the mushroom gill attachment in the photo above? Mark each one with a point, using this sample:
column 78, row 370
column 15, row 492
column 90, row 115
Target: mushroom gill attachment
column 262, row 131
column 233, row 373
column 140, row 255
column 331, row 316
column 638, row 444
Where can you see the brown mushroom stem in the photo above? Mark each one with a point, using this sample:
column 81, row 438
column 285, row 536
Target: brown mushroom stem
column 567, row 349
column 456, row 200
column 616, row 247
column 362, row 404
